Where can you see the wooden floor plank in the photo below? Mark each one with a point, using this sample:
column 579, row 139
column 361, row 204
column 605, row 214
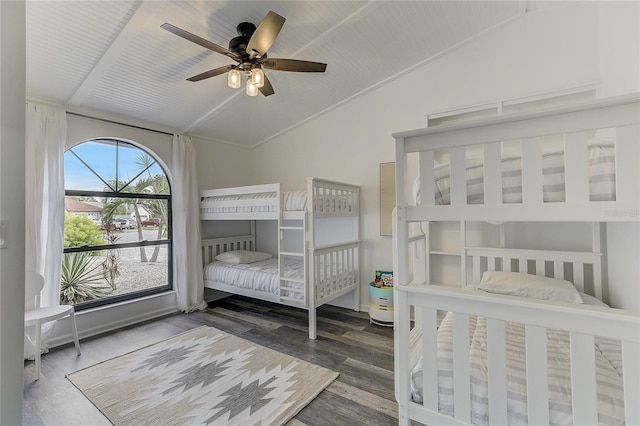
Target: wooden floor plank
column 375, row 380
column 369, row 400
column 250, row 317
column 330, row 409
column 347, row 343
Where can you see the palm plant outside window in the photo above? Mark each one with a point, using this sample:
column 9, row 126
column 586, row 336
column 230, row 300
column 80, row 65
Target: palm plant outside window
column 117, row 224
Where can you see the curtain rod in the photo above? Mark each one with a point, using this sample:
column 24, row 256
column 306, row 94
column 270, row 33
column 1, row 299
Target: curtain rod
column 118, row 123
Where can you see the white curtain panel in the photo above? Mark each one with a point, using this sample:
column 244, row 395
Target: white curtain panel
column 46, row 133
column 187, row 254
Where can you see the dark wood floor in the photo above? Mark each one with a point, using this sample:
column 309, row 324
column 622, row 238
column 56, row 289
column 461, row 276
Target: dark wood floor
column 362, row 353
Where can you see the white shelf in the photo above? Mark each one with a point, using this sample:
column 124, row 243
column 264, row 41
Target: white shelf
column 436, row 284
column 447, row 285
column 288, row 253
column 445, row 253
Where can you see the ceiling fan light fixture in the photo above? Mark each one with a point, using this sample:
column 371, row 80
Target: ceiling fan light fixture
column 257, row 77
column 233, row 79
column 252, row 90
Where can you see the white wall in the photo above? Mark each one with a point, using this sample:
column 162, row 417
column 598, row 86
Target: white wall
column 221, row 165
column 618, row 48
column 12, row 119
column 544, row 51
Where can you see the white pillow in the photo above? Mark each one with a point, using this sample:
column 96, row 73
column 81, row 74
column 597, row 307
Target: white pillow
column 242, row 256
column 527, row 285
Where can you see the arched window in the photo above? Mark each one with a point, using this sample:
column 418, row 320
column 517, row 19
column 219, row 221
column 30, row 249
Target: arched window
column 117, row 240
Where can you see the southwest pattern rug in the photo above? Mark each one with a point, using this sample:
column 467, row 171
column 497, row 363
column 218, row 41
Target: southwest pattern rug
column 203, row 376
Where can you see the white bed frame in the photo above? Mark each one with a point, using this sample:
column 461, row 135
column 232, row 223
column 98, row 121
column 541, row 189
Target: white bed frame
column 325, row 265
column 414, row 294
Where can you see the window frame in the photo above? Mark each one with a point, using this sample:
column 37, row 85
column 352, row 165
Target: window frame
column 94, row 303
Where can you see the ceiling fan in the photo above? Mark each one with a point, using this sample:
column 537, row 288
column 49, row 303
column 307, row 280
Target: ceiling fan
column 249, row 50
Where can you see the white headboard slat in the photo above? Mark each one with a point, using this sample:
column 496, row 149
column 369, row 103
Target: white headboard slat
column 576, row 261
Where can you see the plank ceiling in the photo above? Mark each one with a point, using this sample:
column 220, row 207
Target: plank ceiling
column 111, row 58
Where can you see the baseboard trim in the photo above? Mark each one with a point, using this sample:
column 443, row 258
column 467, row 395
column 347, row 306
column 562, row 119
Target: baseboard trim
column 109, row 318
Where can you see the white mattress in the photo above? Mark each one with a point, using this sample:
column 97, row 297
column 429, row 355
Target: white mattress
column 259, row 276
column 291, row 201
column 608, row 361
column 601, row 178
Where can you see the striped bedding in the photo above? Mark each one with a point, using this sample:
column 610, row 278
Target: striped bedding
column 609, row 374
column 601, row 178
column 291, row 201
column 259, row 276
column 264, row 276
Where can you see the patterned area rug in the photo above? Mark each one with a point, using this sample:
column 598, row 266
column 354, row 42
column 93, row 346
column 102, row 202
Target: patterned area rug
column 203, row 376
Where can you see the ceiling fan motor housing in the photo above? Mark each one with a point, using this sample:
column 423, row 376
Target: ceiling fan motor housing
column 245, row 29
column 238, row 45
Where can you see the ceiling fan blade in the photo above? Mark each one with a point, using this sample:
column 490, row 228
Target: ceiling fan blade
column 200, row 41
column 212, row 73
column 267, row 89
column 293, row 65
column 264, row 36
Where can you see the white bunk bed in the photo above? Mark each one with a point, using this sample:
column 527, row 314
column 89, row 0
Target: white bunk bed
column 502, row 359
column 318, row 243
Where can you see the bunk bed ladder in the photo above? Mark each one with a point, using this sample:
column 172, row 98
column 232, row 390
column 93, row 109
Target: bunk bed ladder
column 292, row 288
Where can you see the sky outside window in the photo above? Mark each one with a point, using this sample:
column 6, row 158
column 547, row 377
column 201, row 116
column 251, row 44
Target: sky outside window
column 100, row 156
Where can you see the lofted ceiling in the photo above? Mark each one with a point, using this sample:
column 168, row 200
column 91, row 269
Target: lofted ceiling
column 112, row 59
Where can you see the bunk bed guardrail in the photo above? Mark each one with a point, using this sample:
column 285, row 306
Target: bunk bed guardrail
column 583, row 323
column 573, row 124
column 333, row 199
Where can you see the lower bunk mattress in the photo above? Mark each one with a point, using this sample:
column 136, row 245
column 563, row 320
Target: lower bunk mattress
column 262, row 276
column 608, row 374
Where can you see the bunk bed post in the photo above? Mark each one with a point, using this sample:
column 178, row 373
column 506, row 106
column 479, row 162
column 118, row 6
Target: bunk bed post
column 356, row 294
column 427, row 256
column 463, row 253
column 401, row 266
column 312, row 317
column 311, row 273
column 401, row 258
column 596, row 247
column 311, row 268
column 402, row 358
